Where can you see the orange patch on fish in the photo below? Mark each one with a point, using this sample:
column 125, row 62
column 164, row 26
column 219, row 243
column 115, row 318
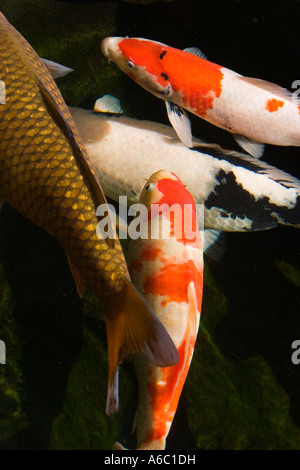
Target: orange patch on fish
column 199, row 80
column 273, row 105
column 166, row 400
column 147, row 254
column 172, row 281
column 150, row 253
column 183, row 226
column 164, row 391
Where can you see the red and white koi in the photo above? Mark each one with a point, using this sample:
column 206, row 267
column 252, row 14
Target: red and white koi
column 168, row 270
column 253, row 110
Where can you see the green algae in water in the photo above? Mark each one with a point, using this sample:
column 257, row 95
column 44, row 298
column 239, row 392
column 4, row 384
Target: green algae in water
column 291, row 273
column 82, row 422
column 74, row 42
column 237, row 405
column 230, row 403
column 12, row 418
column 234, row 404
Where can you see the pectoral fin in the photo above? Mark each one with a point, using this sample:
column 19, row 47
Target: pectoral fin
column 180, row 122
column 55, row 69
column 108, row 104
column 119, row 446
column 213, row 243
column 112, row 402
column 79, row 281
column 135, row 330
column 254, row 148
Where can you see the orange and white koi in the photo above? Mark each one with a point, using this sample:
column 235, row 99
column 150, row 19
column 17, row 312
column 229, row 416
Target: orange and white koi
column 253, row 110
column 167, row 268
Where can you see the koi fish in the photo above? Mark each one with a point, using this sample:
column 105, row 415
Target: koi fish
column 255, row 111
column 46, row 175
column 167, row 268
column 240, row 193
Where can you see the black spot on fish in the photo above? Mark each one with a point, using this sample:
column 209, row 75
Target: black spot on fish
column 247, row 162
column 232, row 199
column 165, row 76
column 162, row 55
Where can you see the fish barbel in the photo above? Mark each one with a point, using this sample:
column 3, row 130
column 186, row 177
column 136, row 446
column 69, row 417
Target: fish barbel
column 253, row 110
column 46, row 175
column 167, row 268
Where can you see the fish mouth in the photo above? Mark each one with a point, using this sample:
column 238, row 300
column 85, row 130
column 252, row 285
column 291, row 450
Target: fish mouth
column 109, row 46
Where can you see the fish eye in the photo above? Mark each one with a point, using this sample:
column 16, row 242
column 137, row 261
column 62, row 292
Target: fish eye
column 148, row 187
column 130, row 64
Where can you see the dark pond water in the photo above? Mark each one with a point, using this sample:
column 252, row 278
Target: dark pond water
column 242, row 391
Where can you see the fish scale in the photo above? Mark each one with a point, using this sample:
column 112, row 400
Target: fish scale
column 46, row 175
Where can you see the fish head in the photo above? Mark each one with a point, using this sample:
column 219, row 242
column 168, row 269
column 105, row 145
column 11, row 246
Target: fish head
column 164, row 195
column 152, row 193
column 141, row 60
column 165, row 187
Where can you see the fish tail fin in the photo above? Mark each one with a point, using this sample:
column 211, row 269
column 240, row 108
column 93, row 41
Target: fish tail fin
column 136, row 329
column 158, row 444
column 119, row 446
column 112, row 401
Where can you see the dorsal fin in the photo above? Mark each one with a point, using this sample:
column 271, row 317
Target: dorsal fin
column 195, row 51
column 271, row 87
column 56, row 70
column 108, row 104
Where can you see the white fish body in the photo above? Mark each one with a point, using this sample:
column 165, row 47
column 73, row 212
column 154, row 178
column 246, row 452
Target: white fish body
column 252, row 108
column 240, row 193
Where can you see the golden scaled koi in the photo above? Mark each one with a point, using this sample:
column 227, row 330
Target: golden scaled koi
column 46, row 175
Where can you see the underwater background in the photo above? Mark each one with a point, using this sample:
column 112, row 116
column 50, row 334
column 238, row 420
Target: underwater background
column 242, row 390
